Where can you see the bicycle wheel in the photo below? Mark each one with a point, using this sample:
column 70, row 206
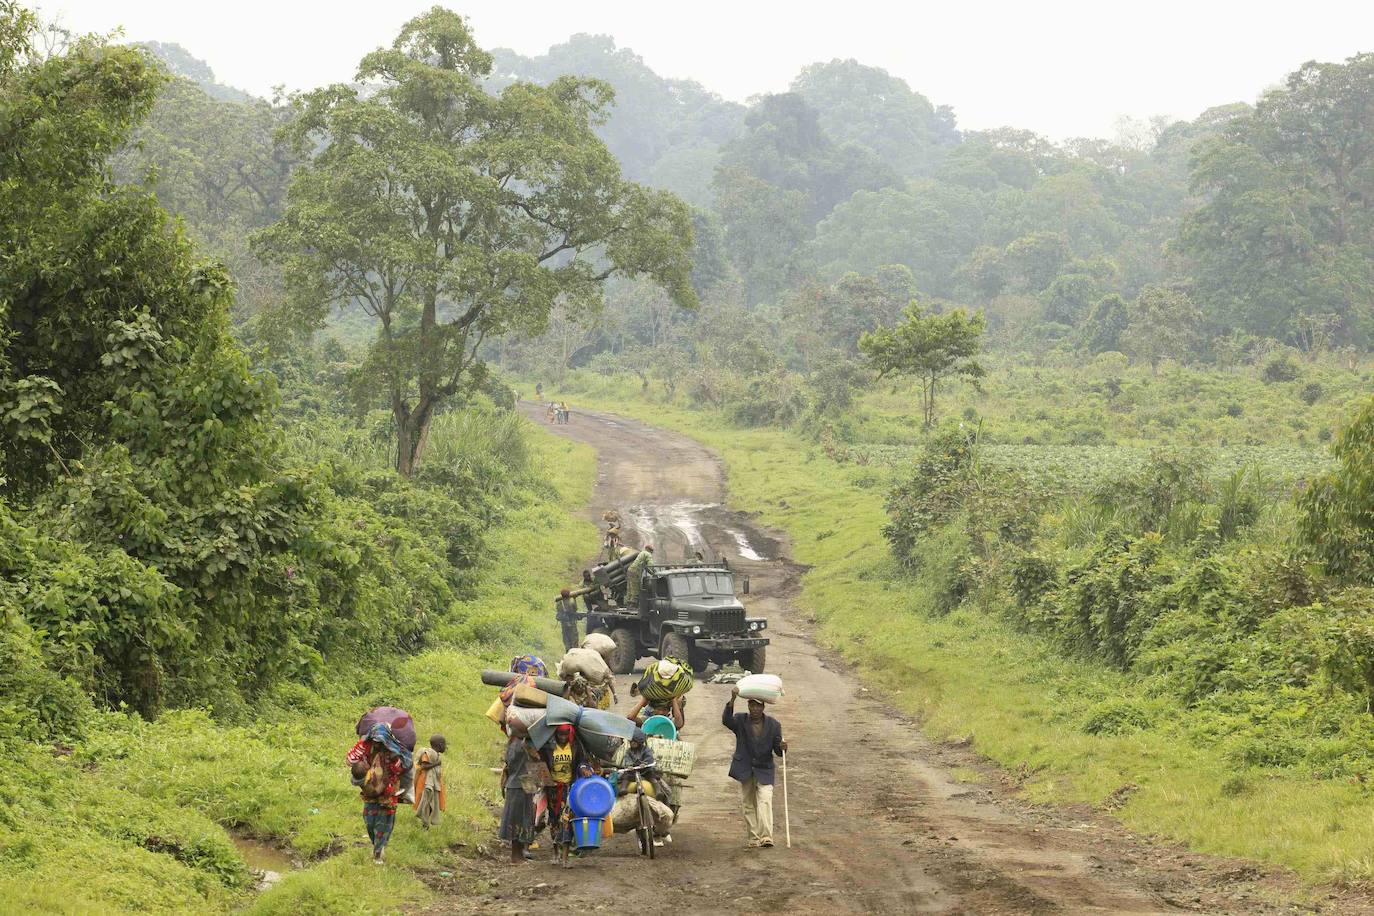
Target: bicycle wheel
column 646, row 826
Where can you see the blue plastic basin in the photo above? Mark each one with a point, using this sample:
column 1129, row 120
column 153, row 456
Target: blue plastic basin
column 591, row 797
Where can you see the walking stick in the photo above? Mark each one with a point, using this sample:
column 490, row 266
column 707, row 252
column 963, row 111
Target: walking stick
column 786, row 817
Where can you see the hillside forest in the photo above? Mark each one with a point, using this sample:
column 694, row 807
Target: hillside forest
column 259, row 453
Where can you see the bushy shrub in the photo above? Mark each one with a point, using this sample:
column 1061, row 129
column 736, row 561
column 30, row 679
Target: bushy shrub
column 931, row 492
column 1104, row 608
column 1280, row 368
column 1311, row 393
column 1161, row 493
column 1033, row 576
column 36, row 702
column 1337, row 510
column 773, row 400
column 1117, row 716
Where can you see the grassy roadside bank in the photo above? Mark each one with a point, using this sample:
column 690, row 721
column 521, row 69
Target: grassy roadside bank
column 139, row 816
column 1024, row 704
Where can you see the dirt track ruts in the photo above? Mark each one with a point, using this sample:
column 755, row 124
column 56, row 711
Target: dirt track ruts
column 879, row 823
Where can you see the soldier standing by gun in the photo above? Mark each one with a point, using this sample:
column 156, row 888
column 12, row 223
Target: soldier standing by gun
column 635, row 574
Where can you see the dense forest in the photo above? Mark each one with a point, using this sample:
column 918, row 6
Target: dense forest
column 1212, row 241
column 260, row 357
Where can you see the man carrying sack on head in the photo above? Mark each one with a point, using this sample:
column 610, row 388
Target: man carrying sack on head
column 758, row 739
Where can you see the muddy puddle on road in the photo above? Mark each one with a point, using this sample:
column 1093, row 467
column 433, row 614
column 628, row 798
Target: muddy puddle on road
column 679, row 529
column 268, row 862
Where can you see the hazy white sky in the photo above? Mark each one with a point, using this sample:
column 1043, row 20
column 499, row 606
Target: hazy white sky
column 1060, row 67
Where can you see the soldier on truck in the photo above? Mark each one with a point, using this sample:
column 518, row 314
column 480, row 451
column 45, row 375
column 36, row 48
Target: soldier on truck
column 688, row 611
column 638, row 568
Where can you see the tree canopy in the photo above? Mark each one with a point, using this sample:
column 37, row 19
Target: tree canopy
column 929, row 346
column 451, row 215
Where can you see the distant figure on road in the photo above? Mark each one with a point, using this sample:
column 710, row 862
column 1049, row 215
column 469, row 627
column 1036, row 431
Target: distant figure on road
column 611, row 542
column 758, row 739
column 539, row 391
column 635, row 575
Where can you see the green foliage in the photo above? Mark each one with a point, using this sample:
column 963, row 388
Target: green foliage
column 869, row 106
column 1117, row 716
column 1281, row 368
column 209, row 155
column 1151, row 498
column 1106, row 323
column 426, row 189
column 1282, row 243
column 664, row 132
column 931, row 347
column 1163, row 324
column 1337, row 509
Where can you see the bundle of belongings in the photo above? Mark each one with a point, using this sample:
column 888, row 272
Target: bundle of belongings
column 625, row 814
column 533, row 706
column 665, row 680
column 587, row 674
column 587, row 662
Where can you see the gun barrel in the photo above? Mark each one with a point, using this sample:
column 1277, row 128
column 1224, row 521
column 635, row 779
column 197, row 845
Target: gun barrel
column 614, row 571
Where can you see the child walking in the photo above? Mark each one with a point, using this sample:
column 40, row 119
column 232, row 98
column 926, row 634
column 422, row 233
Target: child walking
column 430, row 799
column 561, row 767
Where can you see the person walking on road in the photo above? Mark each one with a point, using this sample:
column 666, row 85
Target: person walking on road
column 378, row 761
column 758, row 739
column 430, row 797
column 634, row 577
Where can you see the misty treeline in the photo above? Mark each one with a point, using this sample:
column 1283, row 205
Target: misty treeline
column 818, row 214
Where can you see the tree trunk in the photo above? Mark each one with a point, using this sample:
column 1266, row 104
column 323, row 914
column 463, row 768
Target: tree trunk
column 412, row 434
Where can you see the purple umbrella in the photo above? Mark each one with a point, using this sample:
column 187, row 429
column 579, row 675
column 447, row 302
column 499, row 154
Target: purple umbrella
column 402, row 725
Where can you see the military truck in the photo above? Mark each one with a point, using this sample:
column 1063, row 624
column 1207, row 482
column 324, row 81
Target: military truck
column 689, row 611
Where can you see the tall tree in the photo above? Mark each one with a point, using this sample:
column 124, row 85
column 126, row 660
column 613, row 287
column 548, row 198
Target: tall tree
column 931, row 347
column 451, row 215
column 214, row 162
column 1286, row 229
column 870, row 106
column 1163, row 324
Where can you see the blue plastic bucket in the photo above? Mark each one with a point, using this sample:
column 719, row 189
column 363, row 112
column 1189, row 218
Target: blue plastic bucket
column 660, row 727
column 587, row 832
column 591, row 796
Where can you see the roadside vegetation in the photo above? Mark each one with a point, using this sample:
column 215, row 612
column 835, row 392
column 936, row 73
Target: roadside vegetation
column 211, row 565
column 1075, row 437
column 1158, row 643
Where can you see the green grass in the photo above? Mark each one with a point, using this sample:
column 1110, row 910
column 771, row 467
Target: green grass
column 137, row 817
column 971, row 674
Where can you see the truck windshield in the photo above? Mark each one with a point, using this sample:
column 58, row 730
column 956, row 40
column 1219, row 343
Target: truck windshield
column 702, row 584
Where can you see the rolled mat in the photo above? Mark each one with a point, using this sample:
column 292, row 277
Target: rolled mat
column 494, row 678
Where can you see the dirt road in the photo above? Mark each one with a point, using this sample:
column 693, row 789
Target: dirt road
column 879, row 821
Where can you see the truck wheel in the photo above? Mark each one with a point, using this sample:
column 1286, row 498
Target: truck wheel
column 699, row 660
column 622, row 660
column 676, row 645
column 754, row 660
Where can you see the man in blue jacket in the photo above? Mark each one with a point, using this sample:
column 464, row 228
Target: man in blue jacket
column 758, row 738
